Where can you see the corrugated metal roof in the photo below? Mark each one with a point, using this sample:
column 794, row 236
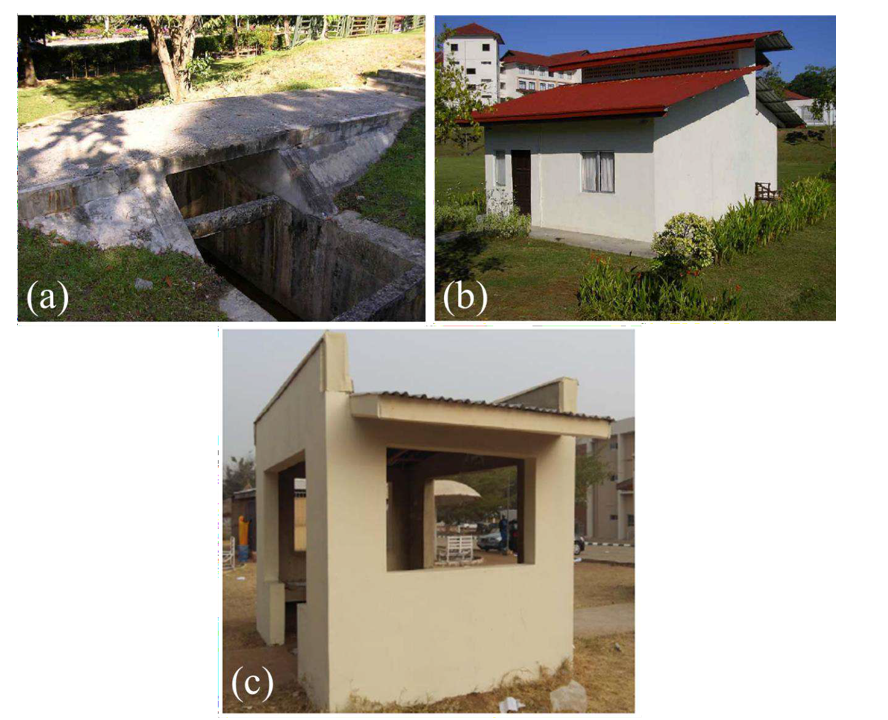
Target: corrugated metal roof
column 776, row 103
column 772, row 40
column 518, row 56
column 474, row 29
column 611, row 98
column 484, row 403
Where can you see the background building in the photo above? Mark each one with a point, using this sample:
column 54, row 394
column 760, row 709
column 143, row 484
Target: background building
column 608, row 515
column 522, row 73
column 803, row 106
column 476, row 50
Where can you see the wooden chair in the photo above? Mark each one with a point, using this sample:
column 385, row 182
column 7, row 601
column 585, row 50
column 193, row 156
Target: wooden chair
column 229, row 557
column 764, row 193
column 457, row 549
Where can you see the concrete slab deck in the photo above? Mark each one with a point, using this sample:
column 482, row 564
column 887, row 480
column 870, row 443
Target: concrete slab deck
column 620, row 246
column 87, row 146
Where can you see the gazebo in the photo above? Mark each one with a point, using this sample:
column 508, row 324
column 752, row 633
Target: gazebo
column 371, row 616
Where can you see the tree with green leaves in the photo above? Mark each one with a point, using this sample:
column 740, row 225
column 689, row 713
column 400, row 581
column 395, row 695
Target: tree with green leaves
column 239, row 474
column 591, row 470
column 771, row 76
column 808, row 83
column 176, row 67
column 824, row 106
column 455, row 100
column 35, row 27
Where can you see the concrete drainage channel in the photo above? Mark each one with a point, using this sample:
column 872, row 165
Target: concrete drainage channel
column 248, row 185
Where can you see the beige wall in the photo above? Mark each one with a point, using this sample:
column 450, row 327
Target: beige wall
column 409, row 635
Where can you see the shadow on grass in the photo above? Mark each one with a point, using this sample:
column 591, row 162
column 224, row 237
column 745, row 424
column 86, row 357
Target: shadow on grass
column 111, row 92
column 458, row 260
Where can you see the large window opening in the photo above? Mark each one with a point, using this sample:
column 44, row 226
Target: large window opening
column 453, row 510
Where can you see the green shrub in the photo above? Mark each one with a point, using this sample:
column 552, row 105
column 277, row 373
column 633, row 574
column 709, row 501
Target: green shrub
column 744, row 226
column 685, row 244
column 467, row 211
column 611, row 293
column 503, row 225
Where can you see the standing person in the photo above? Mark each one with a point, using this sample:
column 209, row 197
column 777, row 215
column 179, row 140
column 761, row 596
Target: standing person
column 504, row 534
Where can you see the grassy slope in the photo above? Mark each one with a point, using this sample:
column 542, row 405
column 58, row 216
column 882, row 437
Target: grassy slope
column 792, row 280
column 101, row 283
column 322, row 64
column 393, row 190
column 458, row 170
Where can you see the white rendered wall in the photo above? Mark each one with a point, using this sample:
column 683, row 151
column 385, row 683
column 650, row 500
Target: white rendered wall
column 765, row 135
column 705, row 152
column 470, row 54
column 557, row 197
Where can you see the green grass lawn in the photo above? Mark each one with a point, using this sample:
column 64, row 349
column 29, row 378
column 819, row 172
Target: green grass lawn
column 111, row 92
column 538, row 280
column 392, row 192
column 457, row 170
column 320, row 64
column 101, row 283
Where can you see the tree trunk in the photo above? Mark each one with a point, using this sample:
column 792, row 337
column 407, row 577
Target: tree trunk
column 175, row 67
column 324, row 31
column 236, row 49
column 30, row 79
column 152, row 42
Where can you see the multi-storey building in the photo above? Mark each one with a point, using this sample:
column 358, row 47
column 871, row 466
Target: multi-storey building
column 608, row 514
column 476, row 50
column 522, row 73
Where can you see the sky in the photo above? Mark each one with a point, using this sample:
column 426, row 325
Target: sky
column 813, row 38
column 466, row 364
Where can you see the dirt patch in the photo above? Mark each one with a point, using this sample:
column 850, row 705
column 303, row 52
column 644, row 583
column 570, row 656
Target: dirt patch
column 597, row 584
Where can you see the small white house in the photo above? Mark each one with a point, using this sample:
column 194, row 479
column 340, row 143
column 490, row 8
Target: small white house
column 804, row 108
column 649, row 133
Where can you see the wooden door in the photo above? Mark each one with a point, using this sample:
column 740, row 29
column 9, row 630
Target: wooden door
column 521, row 180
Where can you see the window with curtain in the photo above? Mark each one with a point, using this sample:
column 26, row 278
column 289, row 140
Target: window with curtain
column 598, row 172
column 590, row 172
column 500, row 163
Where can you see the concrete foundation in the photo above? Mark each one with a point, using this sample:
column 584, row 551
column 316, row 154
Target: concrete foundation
column 133, row 178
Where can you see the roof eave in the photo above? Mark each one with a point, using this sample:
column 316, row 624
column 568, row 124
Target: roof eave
column 374, row 406
column 655, row 111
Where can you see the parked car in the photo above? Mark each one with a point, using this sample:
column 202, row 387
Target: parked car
column 489, row 542
column 579, row 542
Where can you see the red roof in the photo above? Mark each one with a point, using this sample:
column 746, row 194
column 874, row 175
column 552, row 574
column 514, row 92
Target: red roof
column 474, row 30
column 439, row 58
column 790, row 95
column 517, row 56
column 771, row 40
column 613, row 98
